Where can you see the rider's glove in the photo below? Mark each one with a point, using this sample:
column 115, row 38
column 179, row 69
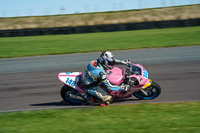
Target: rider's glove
column 125, row 88
column 133, row 82
column 126, row 61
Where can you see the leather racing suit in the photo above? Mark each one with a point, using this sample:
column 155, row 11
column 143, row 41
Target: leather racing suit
column 95, row 81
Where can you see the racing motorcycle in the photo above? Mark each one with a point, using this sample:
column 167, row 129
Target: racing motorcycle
column 134, row 75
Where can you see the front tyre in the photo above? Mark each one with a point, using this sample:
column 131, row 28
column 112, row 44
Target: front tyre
column 65, row 91
column 153, row 91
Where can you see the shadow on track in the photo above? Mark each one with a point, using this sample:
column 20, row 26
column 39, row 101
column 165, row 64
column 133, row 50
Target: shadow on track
column 61, row 103
column 64, row 103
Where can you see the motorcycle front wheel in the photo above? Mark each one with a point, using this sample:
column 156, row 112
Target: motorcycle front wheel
column 65, row 91
column 153, row 91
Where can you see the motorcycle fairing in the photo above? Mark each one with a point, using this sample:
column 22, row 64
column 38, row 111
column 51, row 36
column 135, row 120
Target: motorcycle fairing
column 115, row 75
column 69, row 78
column 148, row 83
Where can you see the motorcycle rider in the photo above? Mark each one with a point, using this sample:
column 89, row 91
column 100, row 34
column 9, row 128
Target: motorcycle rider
column 94, row 78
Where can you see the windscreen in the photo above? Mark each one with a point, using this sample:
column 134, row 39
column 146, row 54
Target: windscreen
column 135, row 70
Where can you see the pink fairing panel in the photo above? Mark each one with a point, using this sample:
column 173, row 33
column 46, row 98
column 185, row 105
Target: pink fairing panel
column 115, row 75
column 141, row 78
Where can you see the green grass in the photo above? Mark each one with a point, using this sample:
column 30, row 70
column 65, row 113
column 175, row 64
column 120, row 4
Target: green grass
column 141, row 118
column 76, row 43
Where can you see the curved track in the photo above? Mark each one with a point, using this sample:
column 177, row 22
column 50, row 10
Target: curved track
column 31, row 82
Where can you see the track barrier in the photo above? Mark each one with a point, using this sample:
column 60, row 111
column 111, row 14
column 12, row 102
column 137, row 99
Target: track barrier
column 100, row 28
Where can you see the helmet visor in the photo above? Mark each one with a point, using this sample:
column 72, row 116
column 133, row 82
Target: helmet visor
column 111, row 63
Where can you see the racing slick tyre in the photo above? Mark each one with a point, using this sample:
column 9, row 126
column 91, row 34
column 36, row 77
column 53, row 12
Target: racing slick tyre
column 153, row 91
column 65, row 91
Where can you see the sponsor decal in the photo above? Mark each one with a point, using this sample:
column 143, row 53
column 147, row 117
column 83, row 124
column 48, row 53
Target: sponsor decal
column 145, row 73
column 70, row 82
column 109, row 72
column 69, row 73
column 95, row 78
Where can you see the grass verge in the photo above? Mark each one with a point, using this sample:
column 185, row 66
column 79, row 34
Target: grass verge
column 76, row 43
column 152, row 118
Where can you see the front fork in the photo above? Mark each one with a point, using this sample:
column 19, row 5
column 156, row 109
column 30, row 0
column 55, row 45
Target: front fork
column 148, row 83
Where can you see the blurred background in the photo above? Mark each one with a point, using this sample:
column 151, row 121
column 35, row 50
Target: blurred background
column 47, row 17
column 21, row 8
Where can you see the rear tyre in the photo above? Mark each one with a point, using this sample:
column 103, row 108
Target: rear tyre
column 153, row 91
column 69, row 90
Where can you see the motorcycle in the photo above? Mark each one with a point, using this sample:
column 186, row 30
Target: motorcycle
column 134, row 75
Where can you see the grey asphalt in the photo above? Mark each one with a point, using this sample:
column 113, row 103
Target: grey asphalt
column 31, row 82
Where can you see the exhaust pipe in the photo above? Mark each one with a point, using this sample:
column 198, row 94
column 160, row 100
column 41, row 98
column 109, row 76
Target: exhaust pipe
column 76, row 97
column 145, row 93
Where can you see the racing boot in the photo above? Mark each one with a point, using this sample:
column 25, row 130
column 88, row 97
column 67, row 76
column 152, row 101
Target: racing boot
column 100, row 94
column 105, row 99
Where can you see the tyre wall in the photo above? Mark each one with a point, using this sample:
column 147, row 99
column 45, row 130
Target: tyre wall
column 100, row 28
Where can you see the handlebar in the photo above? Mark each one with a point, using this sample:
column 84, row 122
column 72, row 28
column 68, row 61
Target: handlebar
column 132, row 81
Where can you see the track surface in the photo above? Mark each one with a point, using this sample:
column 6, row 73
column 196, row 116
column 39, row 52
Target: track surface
column 31, row 82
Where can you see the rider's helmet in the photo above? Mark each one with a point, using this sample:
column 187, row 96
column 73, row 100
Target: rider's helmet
column 107, row 59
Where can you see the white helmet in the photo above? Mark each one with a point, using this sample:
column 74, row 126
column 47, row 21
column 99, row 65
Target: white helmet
column 107, row 59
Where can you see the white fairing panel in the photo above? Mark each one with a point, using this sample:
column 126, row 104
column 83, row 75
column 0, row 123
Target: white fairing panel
column 69, row 78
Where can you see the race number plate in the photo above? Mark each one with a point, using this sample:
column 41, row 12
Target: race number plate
column 145, row 74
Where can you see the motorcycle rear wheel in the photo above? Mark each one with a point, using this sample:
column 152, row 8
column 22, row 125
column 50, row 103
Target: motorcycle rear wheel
column 64, row 94
column 153, row 91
